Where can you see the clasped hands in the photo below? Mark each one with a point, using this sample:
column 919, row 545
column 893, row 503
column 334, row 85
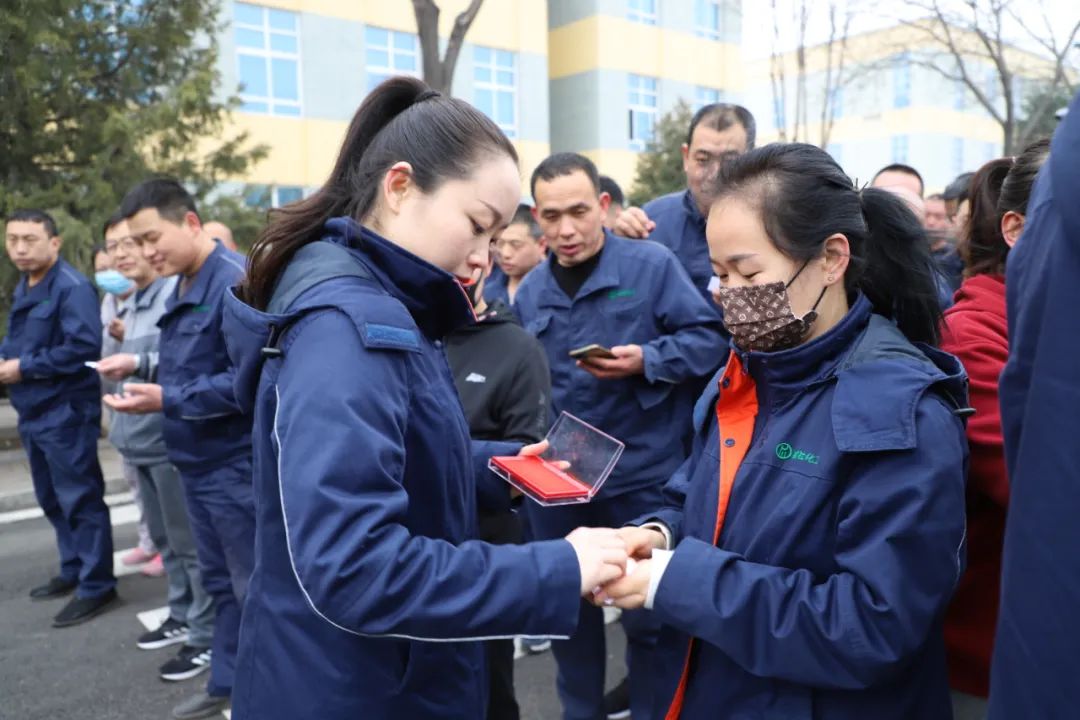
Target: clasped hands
column 616, row 565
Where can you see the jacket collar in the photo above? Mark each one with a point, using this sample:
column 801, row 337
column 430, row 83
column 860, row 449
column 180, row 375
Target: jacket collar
column 145, row 299
column 200, row 284
column 433, row 297
column 810, row 362
column 26, row 295
column 692, row 211
column 605, row 276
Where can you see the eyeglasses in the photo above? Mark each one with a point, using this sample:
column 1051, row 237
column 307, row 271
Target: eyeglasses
column 125, row 243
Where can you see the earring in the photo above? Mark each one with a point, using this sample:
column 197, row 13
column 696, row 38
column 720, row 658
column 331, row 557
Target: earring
column 828, row 278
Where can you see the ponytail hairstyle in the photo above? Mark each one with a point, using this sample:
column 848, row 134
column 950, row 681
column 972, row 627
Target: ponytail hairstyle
column 982, row 245
column 1000, row 186
column 803, row 197
column 402, row 119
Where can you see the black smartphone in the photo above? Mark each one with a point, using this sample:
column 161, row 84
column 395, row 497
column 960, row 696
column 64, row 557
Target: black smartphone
column 590, row 351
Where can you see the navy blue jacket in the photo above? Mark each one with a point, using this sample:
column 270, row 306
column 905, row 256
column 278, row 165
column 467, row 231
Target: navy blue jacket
column 204, row 426
column 53, row 329
column 369, row 589
column 815, row 585
column 1036, row 659
column 495, row 287
column 637, row 294
column 680, row 227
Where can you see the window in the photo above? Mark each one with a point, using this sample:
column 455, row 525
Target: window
column 707, row 18
column 642, row 104
column 265, row 196
column 837, row 103
column 900, row 148
column 958, row 155
column 389, row 53
column 642, row 11
column 960, row 101
column 268, row 59
column 902, row 82
column 495, row 86
column 705, row 96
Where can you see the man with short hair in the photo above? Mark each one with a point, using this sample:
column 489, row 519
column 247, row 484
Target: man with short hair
column 220, row 231
column 899, row 175
column 939, row 232
column 718, row 132
column 660, row 338
column 207, row 435
column 618, row 202
column 518, row 249
column 54, row 329
column 956, row 201
column 139, row 439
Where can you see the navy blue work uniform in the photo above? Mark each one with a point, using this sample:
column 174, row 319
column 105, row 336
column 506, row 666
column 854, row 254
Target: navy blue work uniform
column 639, row 294
column 680, row 227
column 370, row 590
column 1036, row 663
column 495, row 289
column 54, row 328
column 208, row 438
column 818, row 532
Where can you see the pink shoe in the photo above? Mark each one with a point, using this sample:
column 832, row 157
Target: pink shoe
column 154, row 568
column 136, row 556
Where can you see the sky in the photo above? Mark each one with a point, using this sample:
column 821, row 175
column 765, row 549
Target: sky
column 874, row 14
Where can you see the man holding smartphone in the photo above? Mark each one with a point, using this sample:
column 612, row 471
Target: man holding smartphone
column 653, row 338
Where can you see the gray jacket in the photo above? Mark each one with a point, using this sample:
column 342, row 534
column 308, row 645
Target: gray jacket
column 138, row 437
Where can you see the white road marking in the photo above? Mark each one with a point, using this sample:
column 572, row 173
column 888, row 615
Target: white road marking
column 115, row 501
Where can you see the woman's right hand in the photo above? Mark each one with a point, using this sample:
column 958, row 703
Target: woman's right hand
column 601, row 556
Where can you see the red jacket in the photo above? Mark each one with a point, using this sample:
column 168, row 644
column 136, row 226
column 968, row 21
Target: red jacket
column 976, row 331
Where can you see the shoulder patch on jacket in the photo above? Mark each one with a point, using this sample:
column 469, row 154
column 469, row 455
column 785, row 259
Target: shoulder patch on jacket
column 377, row 335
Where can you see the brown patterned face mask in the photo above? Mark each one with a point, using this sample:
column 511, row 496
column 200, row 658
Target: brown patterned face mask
column 760, row 319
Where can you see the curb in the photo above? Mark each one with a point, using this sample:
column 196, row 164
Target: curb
column 25, row 499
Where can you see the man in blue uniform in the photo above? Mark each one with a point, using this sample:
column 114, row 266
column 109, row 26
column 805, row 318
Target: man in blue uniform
column 53, row 330
column 207, row 436
column 717, row 132
column 635, row 299
column 1035, row 652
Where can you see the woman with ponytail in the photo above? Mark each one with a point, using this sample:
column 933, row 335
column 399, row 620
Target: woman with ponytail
column 369, row 592
column 811, row 542
column 976, row 331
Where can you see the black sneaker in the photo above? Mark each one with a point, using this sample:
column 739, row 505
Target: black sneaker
column 617, row 702
column 57, row 587
column 79, row 610
column 188, row 663
column 169, row 633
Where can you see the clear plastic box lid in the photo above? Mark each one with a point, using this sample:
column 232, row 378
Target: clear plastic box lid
column 591, row 455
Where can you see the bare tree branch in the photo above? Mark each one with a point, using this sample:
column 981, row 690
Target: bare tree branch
column 439, row 71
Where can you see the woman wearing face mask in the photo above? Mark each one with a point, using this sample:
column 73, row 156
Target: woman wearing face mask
column 812, row 540
column 369, row 594
column 976, row 331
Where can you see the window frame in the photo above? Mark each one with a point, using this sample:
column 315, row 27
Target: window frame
column 267, row 55
column 640, row 15
column 495, row 87
column 392, row 52
column 653, row 110
column 704, row 31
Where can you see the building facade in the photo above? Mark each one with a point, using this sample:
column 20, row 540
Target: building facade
column 889, row 105
column 577, row 75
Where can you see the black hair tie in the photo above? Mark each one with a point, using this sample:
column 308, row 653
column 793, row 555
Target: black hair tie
column 426, row 95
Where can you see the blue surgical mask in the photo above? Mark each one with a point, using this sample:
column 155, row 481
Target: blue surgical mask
column 113, row 282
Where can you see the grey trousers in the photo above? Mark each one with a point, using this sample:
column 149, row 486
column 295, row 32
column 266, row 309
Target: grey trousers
column 166, row 515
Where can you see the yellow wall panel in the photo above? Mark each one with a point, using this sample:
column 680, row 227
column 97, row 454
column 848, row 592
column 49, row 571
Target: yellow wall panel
column 617, row 44
column 509, row 24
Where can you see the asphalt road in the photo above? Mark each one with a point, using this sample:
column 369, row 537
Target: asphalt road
column 94, row 671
